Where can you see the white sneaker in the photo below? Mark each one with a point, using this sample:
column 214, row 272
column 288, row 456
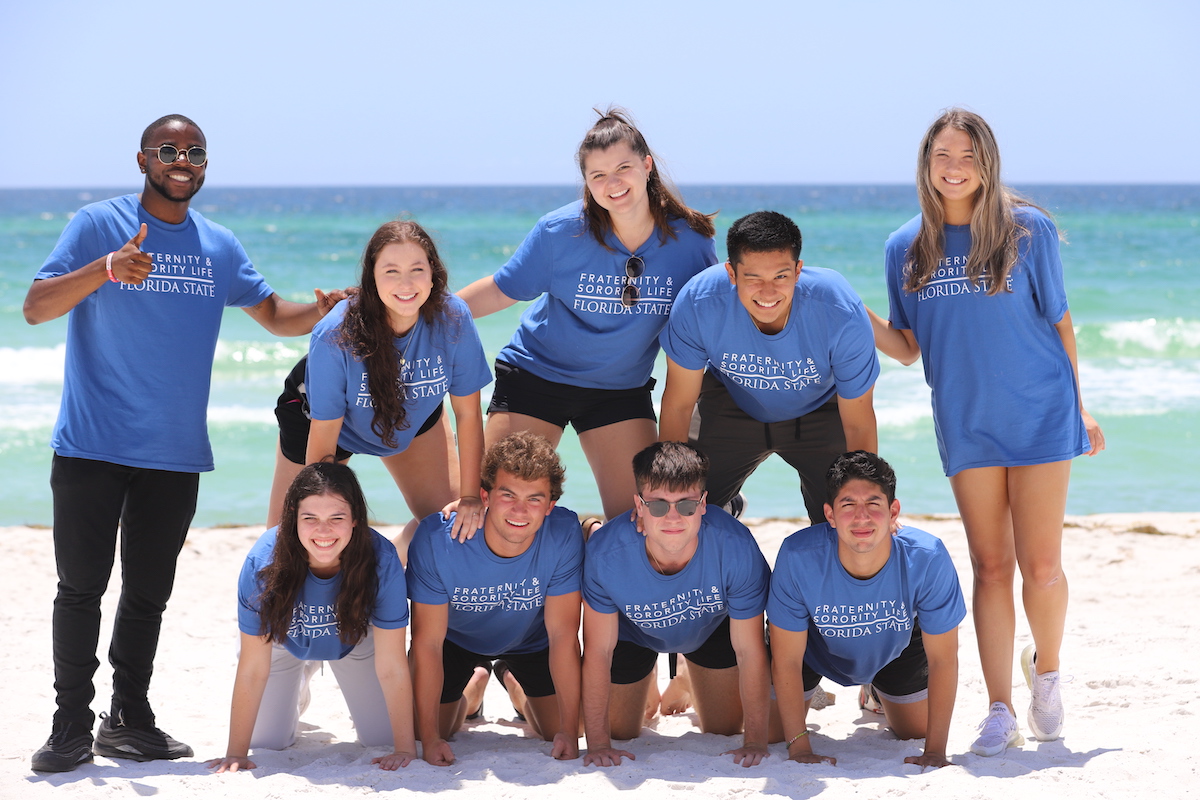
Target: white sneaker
column 1045, row 702
column 998, row 732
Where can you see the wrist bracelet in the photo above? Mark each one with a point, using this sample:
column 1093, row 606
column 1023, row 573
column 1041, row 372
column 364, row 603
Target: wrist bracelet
column 108, row 267
column 797, row 737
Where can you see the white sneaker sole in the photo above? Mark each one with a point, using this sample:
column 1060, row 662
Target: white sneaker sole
column 1027, row 669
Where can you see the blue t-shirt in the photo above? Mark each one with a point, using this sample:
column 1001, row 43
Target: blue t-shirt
column 856, row 627
column 443, row 358
column 139, row 358
column 826, row 348
column 1004, row 393
column 314, row 633
column 727, row 577
column 577, row 332
column 496, row 605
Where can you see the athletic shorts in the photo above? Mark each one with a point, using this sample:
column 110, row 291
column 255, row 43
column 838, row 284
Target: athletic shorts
column 632, row 662
column 519, row 391
column 291, row 410
column 532, row 670
column 904, row 679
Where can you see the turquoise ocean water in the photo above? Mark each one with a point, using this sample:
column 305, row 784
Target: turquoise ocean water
column 1132, row 271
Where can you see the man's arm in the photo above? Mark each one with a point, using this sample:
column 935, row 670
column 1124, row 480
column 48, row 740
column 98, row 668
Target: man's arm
column 599, row 639
column 942, row 653
column 391, row 667
column 285, row 318
column 787, row 664
column 429, row 625
column 678, row 401
column 754, row 679
column 562, row 628
column 484, row 297
column 50, row 298
column 899, row 343
column 858, row 422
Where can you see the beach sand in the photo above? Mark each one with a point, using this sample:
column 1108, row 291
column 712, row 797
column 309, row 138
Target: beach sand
column 1132, row 651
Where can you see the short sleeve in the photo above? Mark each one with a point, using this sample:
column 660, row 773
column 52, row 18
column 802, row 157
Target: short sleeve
column 682, row 339
column 568, row 572
column 425, row 583
column 528, row 273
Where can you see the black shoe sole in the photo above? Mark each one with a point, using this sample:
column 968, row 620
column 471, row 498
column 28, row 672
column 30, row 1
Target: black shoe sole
column 51, row 761
column 114, row 751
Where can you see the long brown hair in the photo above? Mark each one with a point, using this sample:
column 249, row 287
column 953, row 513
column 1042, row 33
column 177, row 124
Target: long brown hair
column 996, row 233
column 613, row 127
column 368, row 334
column 282, row 578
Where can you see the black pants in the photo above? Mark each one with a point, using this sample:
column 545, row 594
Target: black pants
column 154, row 509
column 736, row 444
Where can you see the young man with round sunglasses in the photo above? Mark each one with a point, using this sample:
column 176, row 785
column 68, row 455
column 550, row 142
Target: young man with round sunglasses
column 781, row 358
column 691, row 581
column 145, row 280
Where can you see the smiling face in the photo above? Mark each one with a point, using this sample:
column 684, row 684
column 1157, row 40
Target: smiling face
column 177, row 182
column 404, row 281
column 954, row 174
column 616, row 178
column 324, row 525
column 766, row 283
column 516, row 509
column 864, row 520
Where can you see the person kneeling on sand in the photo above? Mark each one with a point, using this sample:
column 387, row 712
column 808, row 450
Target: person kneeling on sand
column 853, row 602
column 694, row 582
column 509, row 596
column 321, row 587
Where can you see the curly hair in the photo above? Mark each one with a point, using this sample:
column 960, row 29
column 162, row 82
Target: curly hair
column 526, row 455
column 615, row 126
column 282, row 578
column 367, row 332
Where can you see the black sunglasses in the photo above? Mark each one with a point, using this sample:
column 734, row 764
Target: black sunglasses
column 634, row 268
column 169, row 154
column 660, row 508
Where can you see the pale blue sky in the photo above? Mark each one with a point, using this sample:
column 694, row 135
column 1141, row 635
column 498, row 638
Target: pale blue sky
column 399, row 93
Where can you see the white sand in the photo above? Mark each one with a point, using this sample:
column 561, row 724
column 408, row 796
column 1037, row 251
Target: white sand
column 1132, row 728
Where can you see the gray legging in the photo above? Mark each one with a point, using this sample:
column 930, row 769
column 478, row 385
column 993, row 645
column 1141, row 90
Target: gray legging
column 286, row 695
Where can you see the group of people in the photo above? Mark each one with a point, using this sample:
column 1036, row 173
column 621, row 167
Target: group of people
column 763, row 356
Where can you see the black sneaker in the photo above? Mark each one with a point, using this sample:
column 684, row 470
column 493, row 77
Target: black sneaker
column 140, row 743
column 67, row 748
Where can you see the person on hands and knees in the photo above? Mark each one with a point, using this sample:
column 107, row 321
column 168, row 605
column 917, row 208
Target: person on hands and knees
column 321, row 587
column 691, row 581
column 509, row 596
column 854, row 602
column 145, row 281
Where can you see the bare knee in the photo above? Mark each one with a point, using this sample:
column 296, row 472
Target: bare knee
column 626, row 730
column 1043, row 575
column 994, row 570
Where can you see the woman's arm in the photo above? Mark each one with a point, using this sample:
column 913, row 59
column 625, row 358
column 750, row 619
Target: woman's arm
column 1066, row 332
column 468, row 423
column 254, row 667
column 484, row 297
column 322, row 440
column 899, row 343
column 391, row 667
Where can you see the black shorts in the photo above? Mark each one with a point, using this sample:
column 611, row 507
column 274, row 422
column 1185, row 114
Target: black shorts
column 518, row 391
column 532, row 670
column 632, row 662
column 291, row 410
column 902, row 677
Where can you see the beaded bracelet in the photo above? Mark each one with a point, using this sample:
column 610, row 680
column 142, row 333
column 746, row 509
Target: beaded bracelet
column 797, row 737
column 108, row 267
